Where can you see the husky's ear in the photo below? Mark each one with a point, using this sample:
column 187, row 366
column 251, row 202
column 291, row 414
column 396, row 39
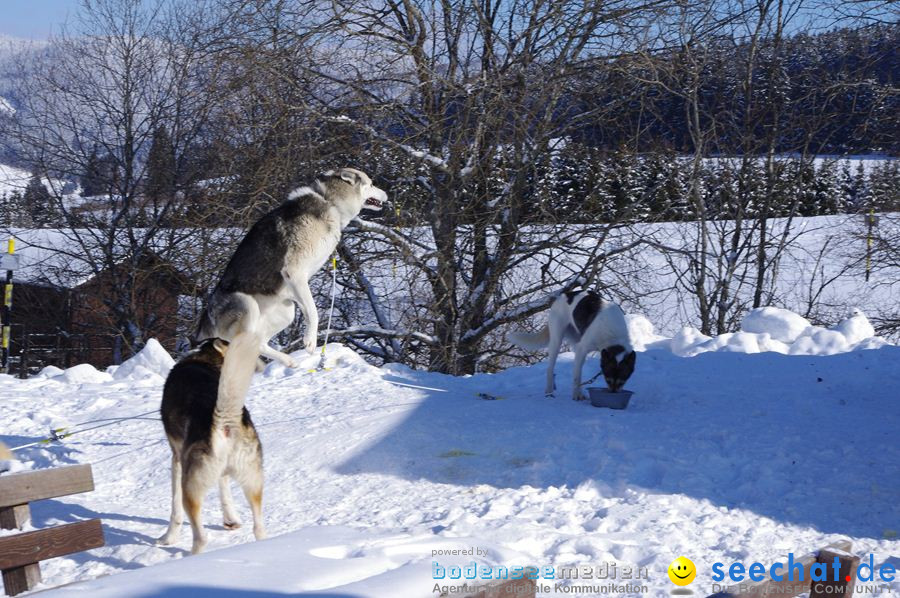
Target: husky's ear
column 349, row 176
column 220, row 345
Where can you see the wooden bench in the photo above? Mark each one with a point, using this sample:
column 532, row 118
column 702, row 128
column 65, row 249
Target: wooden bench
column 20, row 554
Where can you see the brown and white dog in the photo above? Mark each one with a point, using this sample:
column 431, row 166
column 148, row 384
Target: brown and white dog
column 211, row 434
column 589, row 323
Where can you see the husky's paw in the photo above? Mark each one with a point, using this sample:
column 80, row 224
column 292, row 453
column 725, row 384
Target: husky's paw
column 165, row 540
column 288, row 361
column 198, row 546
column 231, row 525
column 259, row 532
column 579, row 397
column 550, row 395
column 310, row 345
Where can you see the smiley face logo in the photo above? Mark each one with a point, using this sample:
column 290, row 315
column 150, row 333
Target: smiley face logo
column 682, row 571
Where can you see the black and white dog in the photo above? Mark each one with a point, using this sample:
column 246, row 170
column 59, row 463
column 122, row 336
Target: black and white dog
column 589, row 323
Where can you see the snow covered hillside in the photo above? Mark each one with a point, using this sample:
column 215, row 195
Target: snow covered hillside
column 15, row 180
column 725, row 456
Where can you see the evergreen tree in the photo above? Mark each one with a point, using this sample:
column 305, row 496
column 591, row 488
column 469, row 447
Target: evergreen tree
column 160, row 181
column 7, row 214
column 101, row 175
column 91, row 180
column 829, row 196
column 884, row 186
column 851, row 187
column 38, row 202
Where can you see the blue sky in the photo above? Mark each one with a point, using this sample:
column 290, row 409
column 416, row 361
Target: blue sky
column 34, row 19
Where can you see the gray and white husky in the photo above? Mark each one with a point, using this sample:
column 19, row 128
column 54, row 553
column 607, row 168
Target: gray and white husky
column 589, row 323
column 211, row 434
column 270, row 270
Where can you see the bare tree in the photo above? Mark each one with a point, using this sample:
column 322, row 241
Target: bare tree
column 94, row 100
column 472, row 92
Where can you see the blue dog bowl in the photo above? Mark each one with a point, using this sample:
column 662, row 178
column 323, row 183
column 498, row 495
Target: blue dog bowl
column 603, row 397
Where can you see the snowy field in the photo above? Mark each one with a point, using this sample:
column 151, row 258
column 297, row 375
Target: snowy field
column 727, row 455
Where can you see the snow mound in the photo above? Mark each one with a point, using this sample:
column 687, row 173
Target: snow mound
column 781, row 331
column 781, row 324
column 856, row 328
column 687, row 339
column 151, row 361
column 641, row 331
column 816, row 340
column 85, row 373
column 50, row 371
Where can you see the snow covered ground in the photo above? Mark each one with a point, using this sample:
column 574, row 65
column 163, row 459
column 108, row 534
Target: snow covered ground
column 725, row 456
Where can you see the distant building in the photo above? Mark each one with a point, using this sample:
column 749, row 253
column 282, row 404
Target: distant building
column 66, row 324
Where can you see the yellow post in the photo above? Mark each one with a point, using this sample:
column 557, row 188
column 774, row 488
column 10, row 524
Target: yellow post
column 7, row 310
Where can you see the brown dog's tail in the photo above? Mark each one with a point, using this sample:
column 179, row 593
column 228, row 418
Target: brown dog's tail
column 531, row 341
column 234, row 381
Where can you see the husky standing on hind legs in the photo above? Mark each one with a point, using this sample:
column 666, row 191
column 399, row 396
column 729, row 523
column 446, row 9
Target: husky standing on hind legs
column 270, row 269
column 211, row 435
column 589, row 323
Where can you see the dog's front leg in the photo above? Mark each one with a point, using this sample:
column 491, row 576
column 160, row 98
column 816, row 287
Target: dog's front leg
column 300, row 290
column 283, row 358
column 580, row 355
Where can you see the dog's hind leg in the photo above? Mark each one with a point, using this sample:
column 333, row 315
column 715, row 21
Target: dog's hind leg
column 300, row 289
column 556, row 338
column 230, row 519
column 198, row 477
column 177, row 516
column 252, row 485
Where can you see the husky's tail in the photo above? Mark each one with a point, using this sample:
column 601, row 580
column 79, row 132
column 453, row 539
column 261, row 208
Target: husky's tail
column 234, row 381
column 531, row 341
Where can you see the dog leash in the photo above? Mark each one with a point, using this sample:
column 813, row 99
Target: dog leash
column 59, row 434
column 597, row 375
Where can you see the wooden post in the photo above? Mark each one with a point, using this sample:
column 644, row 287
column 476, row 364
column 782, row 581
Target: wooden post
column 846, row 575
column 14, row 517
column 23, row 356
column 18, row 579
column 870, row 222
column 21, row 579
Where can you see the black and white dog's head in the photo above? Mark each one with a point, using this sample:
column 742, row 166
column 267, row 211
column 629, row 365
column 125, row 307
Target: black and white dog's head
column 617, row 364
column 352, row 190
